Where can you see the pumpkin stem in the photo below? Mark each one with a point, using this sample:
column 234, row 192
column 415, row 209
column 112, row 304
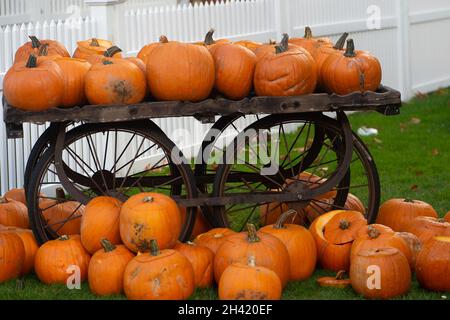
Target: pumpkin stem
column 350, row 51
column 341, row 275
column 32, row 61
column 107, row 245
column 3, row 200
column 148, row 199
column 43, row 50
column 283, row 46
column 106, row 62
column 408, row 200
column 341, row 42
column 344, row 224
column 308, row 33
column 94, row 43
column 272, row 41
column 60, row 194
column 252, row 235
column 282, row 219
column 163, row 39
column 209, row 40
column 63, row 238
column 35, row 43
column 373, row 232
column 154, row 248
column 251, row 261
column 110, row 52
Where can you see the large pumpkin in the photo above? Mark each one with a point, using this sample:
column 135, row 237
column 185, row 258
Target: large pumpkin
column 380, row 273
column 269, row 251
column 107, row 267
column 64, row 217
column 34, row 85
column 148, row 216
column 159, row 275
column 180, row 71
column 433, row 264
column 100, row 221
column 12, row 256
column 93, row 46
column 426, row 228
column 13, row 213
column 399, row 213
column 55, row 259
column 249, row 281
column 309, row 43
column 30, row 246
column 214, row 238
column 299, row 243
column 55, row 48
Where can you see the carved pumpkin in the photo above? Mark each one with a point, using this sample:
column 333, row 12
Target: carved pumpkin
column 341, row 280
column 13, row 213
column 399, row 213
column 107, row 267
column 55, row 259
column 353, row 71
column 426, row 228
column 214, row 238
column 299, row 243
column 249, row 282
column 55, row 48
column 251, row 45
column 30, row 247
column 100, row 221
column 202, row 260
column 93, row 47
column 388, row 265
column 143, row 279
column 309, row 43
column 12, row 256
column 64, row 217
column 269, row 251
column 148, row 216
column 414, row 243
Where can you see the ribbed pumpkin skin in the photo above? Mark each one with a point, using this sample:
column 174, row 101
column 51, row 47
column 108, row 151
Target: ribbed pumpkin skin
column 106, row 270
column 414, row 243
column 74, row 72
column 399, row 213
column 17, row 195
column 143, row 279
column 55, row 256
column 243, row 282
column 394, row 271
column 433, row 264
column 13, row 213
column 100, row 220
column 12, row 256
column 214, row 238
column 56, row 213
column 202, row 260
column 55, row 48
column 426, row 228
column 85, row 49
column 29, row 244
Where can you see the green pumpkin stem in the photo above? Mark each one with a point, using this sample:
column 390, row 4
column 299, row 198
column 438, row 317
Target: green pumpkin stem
column 282, row 219
column 43, row 50
column 283, row 46
column 350, row 51
column 341, row 42
column 110, row 52
column 32, row 61
column 209, row 40
column 107, row 245
column 308, row 33
column 344, row 224
column 251, row 261
column 252, row 234
column 64, row 238
column 35, row 43
column 154, row 248
column 94, row 43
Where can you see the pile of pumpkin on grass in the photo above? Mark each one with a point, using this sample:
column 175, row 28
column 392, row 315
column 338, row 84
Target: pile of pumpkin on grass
column 44, row 75
column 134, row 249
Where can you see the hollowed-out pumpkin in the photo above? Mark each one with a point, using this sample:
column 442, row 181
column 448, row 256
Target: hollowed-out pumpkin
column 311, row 44
column 93, row 46
column 12, row 256
column 214, row 238
column 159, row 275
column 13, row 213
column 249, row 281
column 399, row 213
column 55, row 48
column 426, row 228
column 30, row 246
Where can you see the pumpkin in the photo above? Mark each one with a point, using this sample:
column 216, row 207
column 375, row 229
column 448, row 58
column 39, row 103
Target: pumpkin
column 214, row 238
column 12, row 256
column 30, row 246
column 399, row 213
column 285, row 72
column 309, row 43
column 107, row 267
column 380, row 273
column 414, row 243
column 55, row 258
column 426, row 228
column 16, row 195
column 251, row 45
column 202, row 260
column 64, row 217
column 375, row 236
column 447, row 217
column 55, row 48
column 269, row 48
column 180, row 71
column 44, row 87
column 93, row 46
column 354, row 70
column 334, row 233
column 235, row 66
column 13, row 213
column 212, row 44
column 159, row 275
column 433, row 264
column 148, row 216
column 200, row 225
column 147, row 49
column 249, row 282
column 341, row 280
column 100, row 221
column 268, row 250
column 299, row 243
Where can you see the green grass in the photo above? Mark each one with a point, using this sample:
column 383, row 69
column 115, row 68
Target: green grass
column 413, row 159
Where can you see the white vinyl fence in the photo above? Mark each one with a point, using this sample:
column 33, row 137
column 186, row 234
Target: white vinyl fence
column 410, row 37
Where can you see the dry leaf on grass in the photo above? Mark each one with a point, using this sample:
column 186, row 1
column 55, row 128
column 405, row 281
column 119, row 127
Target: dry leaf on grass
column 435, row 152
column 414, row 187
column 415, row 120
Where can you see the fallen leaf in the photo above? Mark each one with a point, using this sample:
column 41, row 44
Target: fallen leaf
column 419, row 173
column 414, row 187
column 376, row 140
column 435, row 152
column 421, row 95
column 415, row 120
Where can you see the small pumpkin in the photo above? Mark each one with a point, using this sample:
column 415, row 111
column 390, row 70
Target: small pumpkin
column 55, row 258
column 202, row 260
column 107, row 267
column 249, row 282
column 93, row 46
column 251, row 45
column 100, row 221
column 269, row 251
column 399, row 213
column 12, row 256
column 426, row 228
column 55, row 48
column 13, row 213
column 433, row 264
column 380, row 273
column 309, row 43
column 341, row 280
column 414, row 243
column 143, row 279
column 214, row 238
column 148, row 216
column 30, row 246
column 299, row 243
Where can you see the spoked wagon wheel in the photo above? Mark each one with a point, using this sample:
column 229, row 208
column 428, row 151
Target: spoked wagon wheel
column 111, row 159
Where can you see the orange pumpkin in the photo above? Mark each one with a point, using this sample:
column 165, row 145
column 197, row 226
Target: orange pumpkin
column 426, row 228
column 147, row 49
column 268, row 250
column 100, row 221
column 13, row 213
column 399, row 213
column 447, row 217
column 202, row 260
column 12, row 256
column 311, row 44
column 64, row 217
column 299, row 243
column 214, row 238
column 251, row 45
column 55, row 259
column 16, row 195
column 148, row 216
column 414, row 243
column 144, row 279
column 200, row 226
column 339, row 281
column 107, row 267
column 55, row 48
column 93, row 46
column 269, row 48
column 30, row 246
column 212, row 44
column 249, row 282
